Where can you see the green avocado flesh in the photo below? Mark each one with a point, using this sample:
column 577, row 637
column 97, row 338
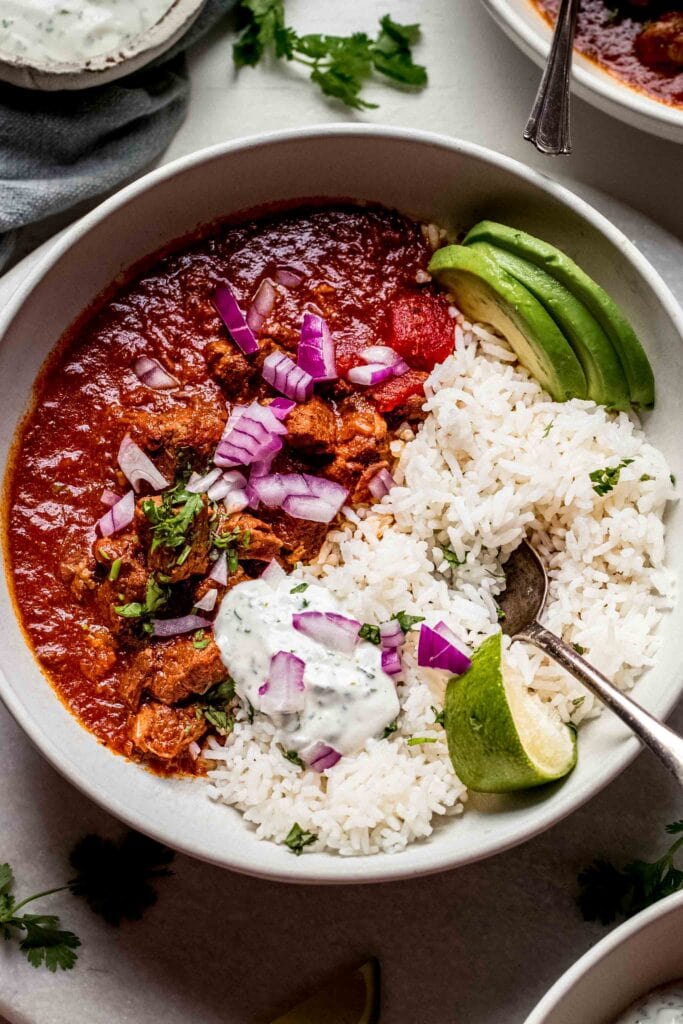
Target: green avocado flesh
column 484, row 291
column 559, row 266
column 607, row 384
column 351, row 998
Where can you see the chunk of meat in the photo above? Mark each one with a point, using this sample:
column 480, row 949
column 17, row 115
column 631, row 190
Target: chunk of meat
column 101, row 655
column 301, row 540
column 125, row 553
column 172, row 671
column 403, row 396
column 262, row 544
column 231, row 368
column 421, row 329
column 312, row 426
column 168, row 434
column 363, row 443
column 165, row 732
column 176, row 563
column 77, row 565
column 660, row 44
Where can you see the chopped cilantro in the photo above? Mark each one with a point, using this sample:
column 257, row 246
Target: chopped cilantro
column 415, row 741
column 578, row 701
column 608, row 892
column 338, row 65
column 200, row 640
column 579, row 648
column 291, row 756
column 672, row 478
column 369, row 632
column 439, row 716
column 213, row 705
column 452, row 559
column 229, row 541
column 389, row 730
column 297, row 839
column 250, row 712
column 645, row 477
column 605, row 480
column 500, row 615
column 548, row 428
column 172, row 519
column 406, row 622
column 299, row 589
column 115, row 570
column 155, row 598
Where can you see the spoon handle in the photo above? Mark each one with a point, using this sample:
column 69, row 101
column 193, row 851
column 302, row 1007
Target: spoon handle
column 663, row 742
column 548, row 125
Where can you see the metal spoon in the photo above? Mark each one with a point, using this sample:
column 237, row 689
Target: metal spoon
column 522, row 602
column 548, row 125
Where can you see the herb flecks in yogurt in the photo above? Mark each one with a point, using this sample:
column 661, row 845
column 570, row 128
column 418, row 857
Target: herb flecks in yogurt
column 348, row 698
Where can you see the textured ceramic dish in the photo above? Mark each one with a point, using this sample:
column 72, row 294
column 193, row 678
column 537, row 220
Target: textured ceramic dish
column 529, row 30
column 433, row 179
column 640, row 955
column 106, row 67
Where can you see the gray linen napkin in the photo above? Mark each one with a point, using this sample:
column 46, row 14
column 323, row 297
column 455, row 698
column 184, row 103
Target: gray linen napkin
column 57, row 149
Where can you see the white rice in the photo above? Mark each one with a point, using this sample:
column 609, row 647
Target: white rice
column 494, row 461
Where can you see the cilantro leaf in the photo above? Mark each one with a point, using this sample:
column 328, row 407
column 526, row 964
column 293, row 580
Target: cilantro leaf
column 439, row 716
column 297, row 839
column 116, row 878
column 605, row 480
column 291, row 756
column 339, row 65
column 370, row 633
column 155, row 598
column 214, row 704
column 389, row 730
column 299, row 589
column 452, row 559
column 172, row 519
column 6, row 879
column 608, row 892
column 43, row 943
column 415, row 741
column 406, row 622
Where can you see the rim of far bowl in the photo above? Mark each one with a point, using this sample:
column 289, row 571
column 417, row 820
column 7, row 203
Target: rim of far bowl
column 553, row 998
column 325, row 868
column 605, row 85
column 143, row 47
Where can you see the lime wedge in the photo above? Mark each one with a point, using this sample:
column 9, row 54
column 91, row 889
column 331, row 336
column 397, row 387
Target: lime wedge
column 350, row 998
column 500, row 737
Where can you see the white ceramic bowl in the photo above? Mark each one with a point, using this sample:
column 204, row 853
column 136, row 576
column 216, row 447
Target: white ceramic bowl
column 106, row 67
column 432, row 178
column 526, row 27
column 640, row 955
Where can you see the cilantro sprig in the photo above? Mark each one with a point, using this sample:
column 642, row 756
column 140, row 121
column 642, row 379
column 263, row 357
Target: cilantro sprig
column 155, row 598
column 298, row 838
column 172, row 518
column 40, row 938
column 339, row 65
column 213, row 705
column 608, row 892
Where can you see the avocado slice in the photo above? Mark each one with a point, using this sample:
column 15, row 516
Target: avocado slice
column 607, row 384
column 634, row 361
column 486, row 292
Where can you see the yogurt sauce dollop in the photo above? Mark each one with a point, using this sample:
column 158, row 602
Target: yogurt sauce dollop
column 348, row 697
column 661, row 1006
column 74, row 31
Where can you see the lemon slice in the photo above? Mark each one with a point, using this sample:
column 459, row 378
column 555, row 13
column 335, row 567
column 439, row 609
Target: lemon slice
column 350, row 998
column 500, row 737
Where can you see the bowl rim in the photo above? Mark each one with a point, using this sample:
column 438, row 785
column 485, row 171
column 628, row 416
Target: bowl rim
column 608, row 87
column 582, row 967
column 337, row 869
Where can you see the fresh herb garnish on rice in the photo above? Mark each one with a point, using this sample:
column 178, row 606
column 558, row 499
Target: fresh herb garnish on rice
column 406, row 622
column 369, row 632
column 439, row 716
column 291, row 756
column 452, row 559
column 608, row 892
column 605, row 480
column 416, row 741
column 298, row 838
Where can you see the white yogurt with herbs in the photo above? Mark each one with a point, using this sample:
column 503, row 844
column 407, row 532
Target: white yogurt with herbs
column 74, row 31
column 347, row 697
column 661, row 1006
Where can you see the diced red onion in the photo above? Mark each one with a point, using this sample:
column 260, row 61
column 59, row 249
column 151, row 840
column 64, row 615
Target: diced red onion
column 261, row 305
column 391, row 634
column 373, row 373
column 236, row 501
column 229, row 480
column 273, row 574
column 288, row 278
column 232, row 316
column 284, row 375
column 250, row 436
column 194, row 750
column 173, row 627
column 315, row 353
column 319, row 756
column 151, row 373
column 208, row 602
column 219, row 573
column 283, row 691
column 301, row 495
column 391, row 662
column 436, row 650
column 334, row 631
column 282, row 407
column 381, row 484
column 109, row 498
column 200, row 484
column 381, row 354
column 137, row 466
column 119, row 515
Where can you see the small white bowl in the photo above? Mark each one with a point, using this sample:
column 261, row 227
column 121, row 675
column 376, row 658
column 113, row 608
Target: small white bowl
column 640, row 955
column 431, row 178
column 50, row 76
column 522, row 22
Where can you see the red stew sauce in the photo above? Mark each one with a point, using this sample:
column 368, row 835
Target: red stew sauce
column 142, row 696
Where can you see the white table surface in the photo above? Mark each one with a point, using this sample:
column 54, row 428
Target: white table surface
column 476, row 946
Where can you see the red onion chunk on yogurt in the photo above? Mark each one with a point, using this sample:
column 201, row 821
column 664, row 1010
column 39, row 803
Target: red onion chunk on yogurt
column 391, row 634
column 319, row 756
column 283, row 691
column 391, row 662
column 330, row 629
